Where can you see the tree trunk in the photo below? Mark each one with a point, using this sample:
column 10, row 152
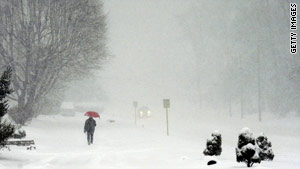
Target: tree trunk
column 242, row 107
column 258, row 86
column 230, row 107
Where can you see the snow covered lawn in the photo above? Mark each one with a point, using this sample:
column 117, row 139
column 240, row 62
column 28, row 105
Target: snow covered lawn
column 61, row 144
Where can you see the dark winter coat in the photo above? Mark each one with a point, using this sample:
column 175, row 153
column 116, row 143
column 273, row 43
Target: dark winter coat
column 90, row 125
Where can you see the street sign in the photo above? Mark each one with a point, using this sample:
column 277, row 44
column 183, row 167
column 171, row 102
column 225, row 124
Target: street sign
column 135, row 104
column 166, row 103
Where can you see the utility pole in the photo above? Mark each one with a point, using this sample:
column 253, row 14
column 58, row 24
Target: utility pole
column 167, row 105
column 135, row 105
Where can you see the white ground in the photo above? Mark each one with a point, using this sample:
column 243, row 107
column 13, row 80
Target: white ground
column 61, row 144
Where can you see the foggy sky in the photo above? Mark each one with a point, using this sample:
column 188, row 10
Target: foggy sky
column 181, row 50
column 152, row 57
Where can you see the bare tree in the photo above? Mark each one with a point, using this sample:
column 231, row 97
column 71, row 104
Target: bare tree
column 47, row 43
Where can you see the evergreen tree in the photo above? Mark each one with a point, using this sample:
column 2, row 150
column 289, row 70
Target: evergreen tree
column 6, row 129
column 265, row 147
column 213, row 144
column 246, row 150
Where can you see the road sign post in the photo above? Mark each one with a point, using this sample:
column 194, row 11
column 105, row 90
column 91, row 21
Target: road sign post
column 167, row 105
column 135, row 105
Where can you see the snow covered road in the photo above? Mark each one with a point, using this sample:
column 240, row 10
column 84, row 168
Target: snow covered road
column 61, row 144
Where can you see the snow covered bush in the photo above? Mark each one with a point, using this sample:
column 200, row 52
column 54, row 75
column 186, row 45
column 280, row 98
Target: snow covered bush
column 265, row 147
column 19, row 133
column 246, row 150
column 213, row 144
column 6, row 129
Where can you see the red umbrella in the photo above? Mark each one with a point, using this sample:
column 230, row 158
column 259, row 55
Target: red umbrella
column 92, row 114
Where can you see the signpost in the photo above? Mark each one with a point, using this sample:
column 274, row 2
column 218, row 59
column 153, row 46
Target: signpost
column 167, row 105
column 135, row 105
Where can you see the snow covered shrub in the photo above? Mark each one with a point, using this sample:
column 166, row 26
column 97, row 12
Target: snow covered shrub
column 265, row 147
column 213, row 144
column 246, row 150
column 6, row 129
column 19, row 133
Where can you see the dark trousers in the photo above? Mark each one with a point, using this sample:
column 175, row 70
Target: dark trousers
column 90, row 138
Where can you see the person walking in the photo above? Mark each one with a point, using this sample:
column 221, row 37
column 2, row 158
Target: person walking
column 89, row 128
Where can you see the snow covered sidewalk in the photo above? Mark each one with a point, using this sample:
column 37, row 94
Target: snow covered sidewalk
column 61, row 144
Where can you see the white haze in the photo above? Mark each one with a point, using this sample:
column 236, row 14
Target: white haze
column 178, row 50
column 155, row 57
